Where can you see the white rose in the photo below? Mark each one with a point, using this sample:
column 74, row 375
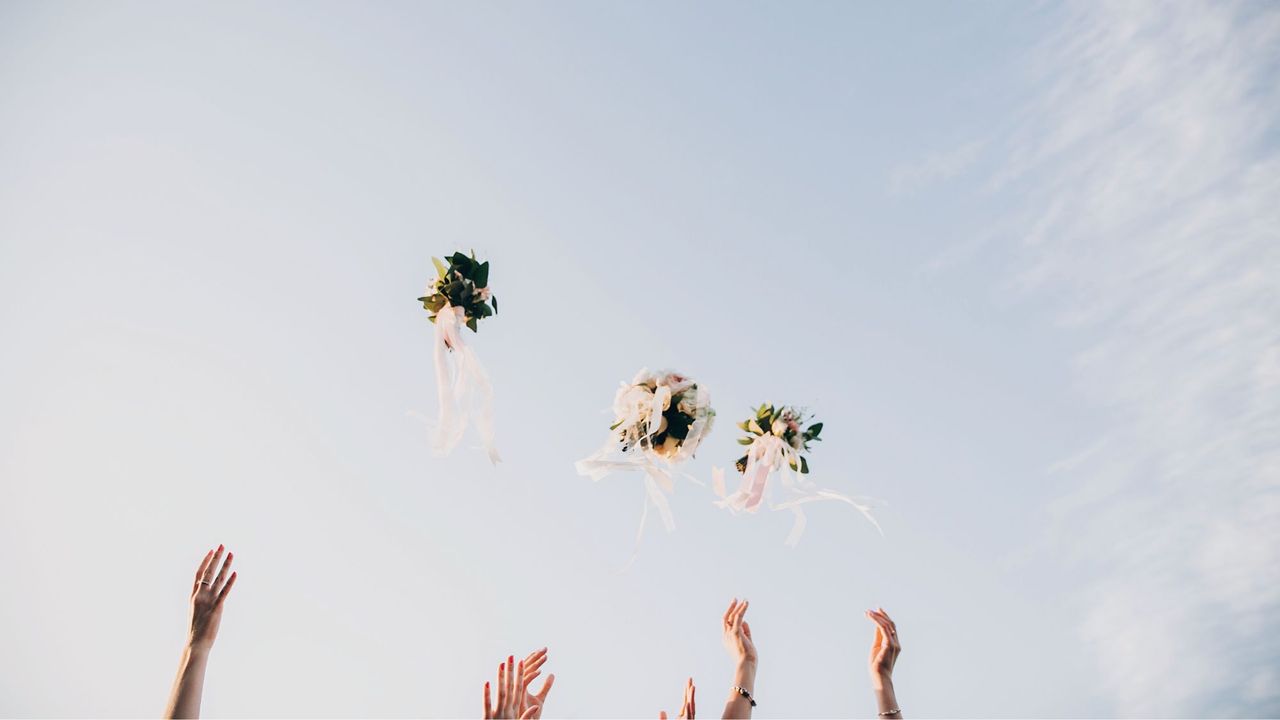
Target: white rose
column 644, row 377
column 677, row 382
column 663, row 395
column 632, row 402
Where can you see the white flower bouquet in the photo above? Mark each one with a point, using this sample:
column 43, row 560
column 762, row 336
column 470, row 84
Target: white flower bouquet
column 459, row 296
column 777, row 441
column 659, row 421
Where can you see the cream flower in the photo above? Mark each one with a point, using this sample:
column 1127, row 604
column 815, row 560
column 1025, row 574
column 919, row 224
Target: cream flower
column 677, row 382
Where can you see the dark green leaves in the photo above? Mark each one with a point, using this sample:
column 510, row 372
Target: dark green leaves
column 790, row 422
column 462, row 283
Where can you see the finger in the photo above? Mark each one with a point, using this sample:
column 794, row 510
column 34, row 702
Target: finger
column 746, row 629
column 742, row 610
column 891, row 629
column 502, row 687
column 511, row 681
column 522, row 686
column 529, row 713
column 662, row 715
column 222, row 574
column 213, row 562
column 728, row 614
column 226, row 589
column 693, row 698
column 203, row 564
column 488, row 708
column 534, row 661
column 886, row 637
column 546, row 688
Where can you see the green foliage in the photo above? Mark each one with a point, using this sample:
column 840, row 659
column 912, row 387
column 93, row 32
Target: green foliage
column 459, row 284
column 793, row 432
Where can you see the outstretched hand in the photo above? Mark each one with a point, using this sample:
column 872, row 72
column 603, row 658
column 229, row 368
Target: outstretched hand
column 885, row 647
column 512, row 694
column 208, row 593
column 737, row 633
column 532, row 669
column 688, row 708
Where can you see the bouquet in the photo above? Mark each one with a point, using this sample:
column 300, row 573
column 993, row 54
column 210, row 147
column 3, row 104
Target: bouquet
column 659, row 421
column 459, row 295
column 777, row 441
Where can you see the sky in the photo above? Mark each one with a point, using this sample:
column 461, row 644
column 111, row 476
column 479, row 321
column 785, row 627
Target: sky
column 1022, row 260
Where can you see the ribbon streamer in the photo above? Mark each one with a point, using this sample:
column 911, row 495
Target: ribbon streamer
column 657, row 481
column 463, row 387
column 766, row 455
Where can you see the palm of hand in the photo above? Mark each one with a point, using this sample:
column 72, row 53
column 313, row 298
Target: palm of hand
column 208, row 594
column 206, row 615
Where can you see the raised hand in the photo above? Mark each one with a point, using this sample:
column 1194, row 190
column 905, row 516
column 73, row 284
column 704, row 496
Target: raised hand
column 688, row 708
column 737, row 633
column 742, row 648
column 532, row 669
column 885, row 649
column 209, row 593
column 512, row 691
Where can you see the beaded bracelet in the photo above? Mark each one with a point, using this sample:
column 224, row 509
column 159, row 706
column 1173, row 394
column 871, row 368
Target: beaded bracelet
column 746, row 695
column 887, row 713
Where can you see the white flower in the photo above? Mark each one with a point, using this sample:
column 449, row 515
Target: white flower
column 797, row 442
column 677, row 382
column 644, row 377
column 632, row 403
column 662, row 397
column 483, row 294
column 778, row 428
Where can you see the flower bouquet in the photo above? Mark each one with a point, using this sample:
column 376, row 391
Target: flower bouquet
column 777, row 440
column 459, row 295
column 659, row 420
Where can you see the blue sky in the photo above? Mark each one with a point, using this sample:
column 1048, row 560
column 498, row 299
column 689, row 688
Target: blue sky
column 1019, row 259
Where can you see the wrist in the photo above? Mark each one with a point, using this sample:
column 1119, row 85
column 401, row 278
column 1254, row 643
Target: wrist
column 886, row 699
column 881, row 683
column 744, row 675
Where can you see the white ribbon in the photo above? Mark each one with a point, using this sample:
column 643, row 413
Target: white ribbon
column 657, row 480
column 465, row 393
column 766, row 455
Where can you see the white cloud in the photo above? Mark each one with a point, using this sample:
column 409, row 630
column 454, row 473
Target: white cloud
column 908, row 178
column 1155, row 219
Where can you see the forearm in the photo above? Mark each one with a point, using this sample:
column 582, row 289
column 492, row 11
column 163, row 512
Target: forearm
column 737, row 706
column 184, row 700
column 886, row 699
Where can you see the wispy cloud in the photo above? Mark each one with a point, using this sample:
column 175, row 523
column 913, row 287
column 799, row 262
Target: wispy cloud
column 1151, row 164
column 910, row 177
